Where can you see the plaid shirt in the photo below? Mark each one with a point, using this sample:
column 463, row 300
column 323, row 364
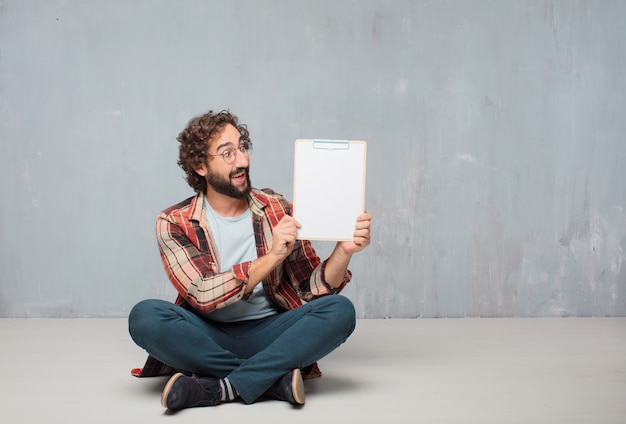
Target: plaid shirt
column 191, row 261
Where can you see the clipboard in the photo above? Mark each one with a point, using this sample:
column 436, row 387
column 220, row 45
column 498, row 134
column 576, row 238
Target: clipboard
column 328, row 187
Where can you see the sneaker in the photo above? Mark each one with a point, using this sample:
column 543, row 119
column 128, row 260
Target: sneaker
column 188, row 392
column 289, row 388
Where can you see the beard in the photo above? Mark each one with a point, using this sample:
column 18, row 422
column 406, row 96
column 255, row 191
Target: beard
column 225, row 187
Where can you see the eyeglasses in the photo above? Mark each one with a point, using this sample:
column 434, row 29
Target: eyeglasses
column 230, row 154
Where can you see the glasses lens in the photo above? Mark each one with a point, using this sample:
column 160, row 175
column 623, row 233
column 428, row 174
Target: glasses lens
column 247, row 147
column 229, row 155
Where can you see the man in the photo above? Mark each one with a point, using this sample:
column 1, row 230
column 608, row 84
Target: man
column 254, row 309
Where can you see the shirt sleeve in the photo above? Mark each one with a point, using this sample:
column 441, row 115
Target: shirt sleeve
column 306, row 272
column 194, row 272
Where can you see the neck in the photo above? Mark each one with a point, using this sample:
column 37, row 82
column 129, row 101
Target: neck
column 225, row 205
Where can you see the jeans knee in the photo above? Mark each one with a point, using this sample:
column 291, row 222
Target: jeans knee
column 141, row 318
column 344, row 312
column 346, row 307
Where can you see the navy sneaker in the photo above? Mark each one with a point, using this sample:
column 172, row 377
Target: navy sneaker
column 188, row 392
column 289, row 388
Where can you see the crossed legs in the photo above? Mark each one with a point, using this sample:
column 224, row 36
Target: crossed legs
column 252, row 355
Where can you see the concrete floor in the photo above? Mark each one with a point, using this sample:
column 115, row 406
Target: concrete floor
column 543, row 370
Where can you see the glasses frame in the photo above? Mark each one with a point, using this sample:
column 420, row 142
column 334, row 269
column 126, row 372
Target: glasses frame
column 245, row 147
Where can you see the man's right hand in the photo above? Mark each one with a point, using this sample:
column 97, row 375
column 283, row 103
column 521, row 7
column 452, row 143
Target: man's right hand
column 284, row 237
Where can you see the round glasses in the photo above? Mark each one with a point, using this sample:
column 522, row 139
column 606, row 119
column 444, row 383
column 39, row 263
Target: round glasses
column 230, row 154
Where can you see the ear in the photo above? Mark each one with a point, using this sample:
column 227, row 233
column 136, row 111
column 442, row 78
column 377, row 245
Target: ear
column 201, row 169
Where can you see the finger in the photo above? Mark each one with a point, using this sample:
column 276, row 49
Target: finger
column 363, row 221
column 289, row 221
column 362, row 226
column 364, row 217
column 361, row 236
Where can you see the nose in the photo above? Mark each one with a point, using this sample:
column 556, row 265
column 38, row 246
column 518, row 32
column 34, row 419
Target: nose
column 242, row 160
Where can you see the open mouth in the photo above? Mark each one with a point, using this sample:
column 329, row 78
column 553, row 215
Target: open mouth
column 238, row 174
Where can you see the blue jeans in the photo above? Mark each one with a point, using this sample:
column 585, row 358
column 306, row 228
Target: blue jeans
column 252, row 354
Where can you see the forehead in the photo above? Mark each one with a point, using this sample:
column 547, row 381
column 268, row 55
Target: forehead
column 228, row 136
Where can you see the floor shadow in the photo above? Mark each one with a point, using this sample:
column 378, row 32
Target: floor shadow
column 155, row 384
column 332, row 384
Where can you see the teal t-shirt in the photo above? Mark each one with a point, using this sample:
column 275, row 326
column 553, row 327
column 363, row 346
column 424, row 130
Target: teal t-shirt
column 234, row 237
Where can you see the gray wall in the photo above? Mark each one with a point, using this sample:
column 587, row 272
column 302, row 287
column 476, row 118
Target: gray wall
column 496, row 143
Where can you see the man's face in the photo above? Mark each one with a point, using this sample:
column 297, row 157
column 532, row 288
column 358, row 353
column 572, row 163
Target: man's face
column 229, row 179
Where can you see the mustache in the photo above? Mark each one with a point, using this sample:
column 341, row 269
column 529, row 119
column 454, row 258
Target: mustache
column 238, row 170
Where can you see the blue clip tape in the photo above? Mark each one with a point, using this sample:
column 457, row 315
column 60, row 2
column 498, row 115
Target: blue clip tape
column 331, row 144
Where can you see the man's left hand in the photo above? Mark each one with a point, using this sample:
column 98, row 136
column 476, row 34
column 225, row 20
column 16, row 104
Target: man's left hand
column 361, row 235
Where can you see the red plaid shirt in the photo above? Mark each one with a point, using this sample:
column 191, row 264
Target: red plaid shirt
column 191, row 261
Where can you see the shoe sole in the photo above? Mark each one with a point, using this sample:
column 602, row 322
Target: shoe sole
column 168, row 387
column 297, row 387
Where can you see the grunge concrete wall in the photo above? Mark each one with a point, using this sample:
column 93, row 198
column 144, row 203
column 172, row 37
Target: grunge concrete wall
column 495, row 129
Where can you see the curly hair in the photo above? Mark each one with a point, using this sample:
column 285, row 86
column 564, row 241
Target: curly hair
column 195, row 140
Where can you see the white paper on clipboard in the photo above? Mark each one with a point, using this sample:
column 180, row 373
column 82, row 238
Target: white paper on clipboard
column 329, row 187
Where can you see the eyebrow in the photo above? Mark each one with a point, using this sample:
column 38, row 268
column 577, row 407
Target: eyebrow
column 228, row 143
